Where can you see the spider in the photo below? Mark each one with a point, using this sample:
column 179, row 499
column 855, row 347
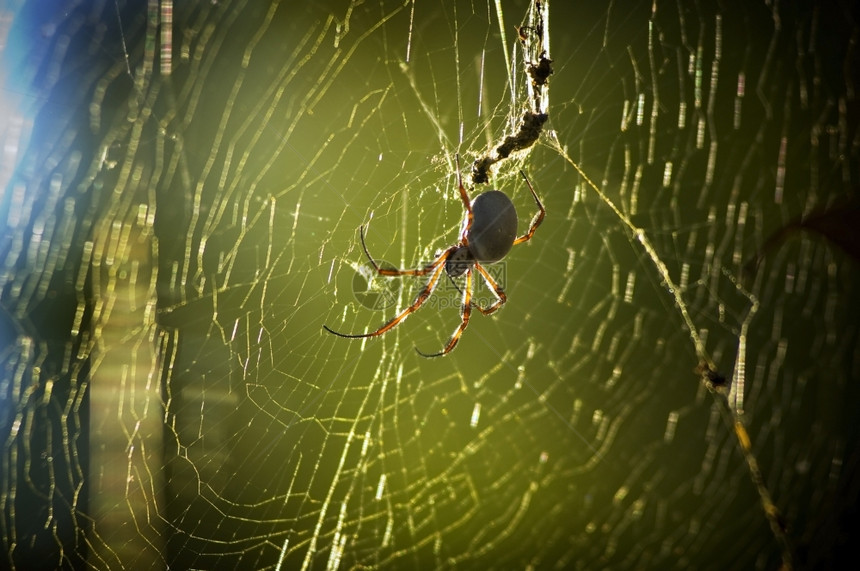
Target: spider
column 489, row 231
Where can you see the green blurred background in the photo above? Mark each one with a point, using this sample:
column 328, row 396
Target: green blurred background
column 176, row 231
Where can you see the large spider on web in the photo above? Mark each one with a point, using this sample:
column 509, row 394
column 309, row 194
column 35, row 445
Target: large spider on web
column 488, row 233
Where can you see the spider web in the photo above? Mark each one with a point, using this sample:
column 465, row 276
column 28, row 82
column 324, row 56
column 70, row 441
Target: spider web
column 671, row 383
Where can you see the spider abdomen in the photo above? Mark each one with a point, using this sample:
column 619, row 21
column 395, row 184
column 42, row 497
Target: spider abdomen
column 494, row 226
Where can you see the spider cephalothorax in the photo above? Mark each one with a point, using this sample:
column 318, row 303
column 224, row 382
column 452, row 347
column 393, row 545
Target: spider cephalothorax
column 489, row 232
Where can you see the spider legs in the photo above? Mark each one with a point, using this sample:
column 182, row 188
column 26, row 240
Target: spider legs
column 437, row 267
column 466, row 312
column 419, row 301
column 467, row 204
column 538, row 217
column 466, row 308
column 497, row 289
column 391, row 272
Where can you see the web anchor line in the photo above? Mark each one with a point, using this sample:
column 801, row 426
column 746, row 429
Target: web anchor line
column 706, row 370
column 538, row 67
